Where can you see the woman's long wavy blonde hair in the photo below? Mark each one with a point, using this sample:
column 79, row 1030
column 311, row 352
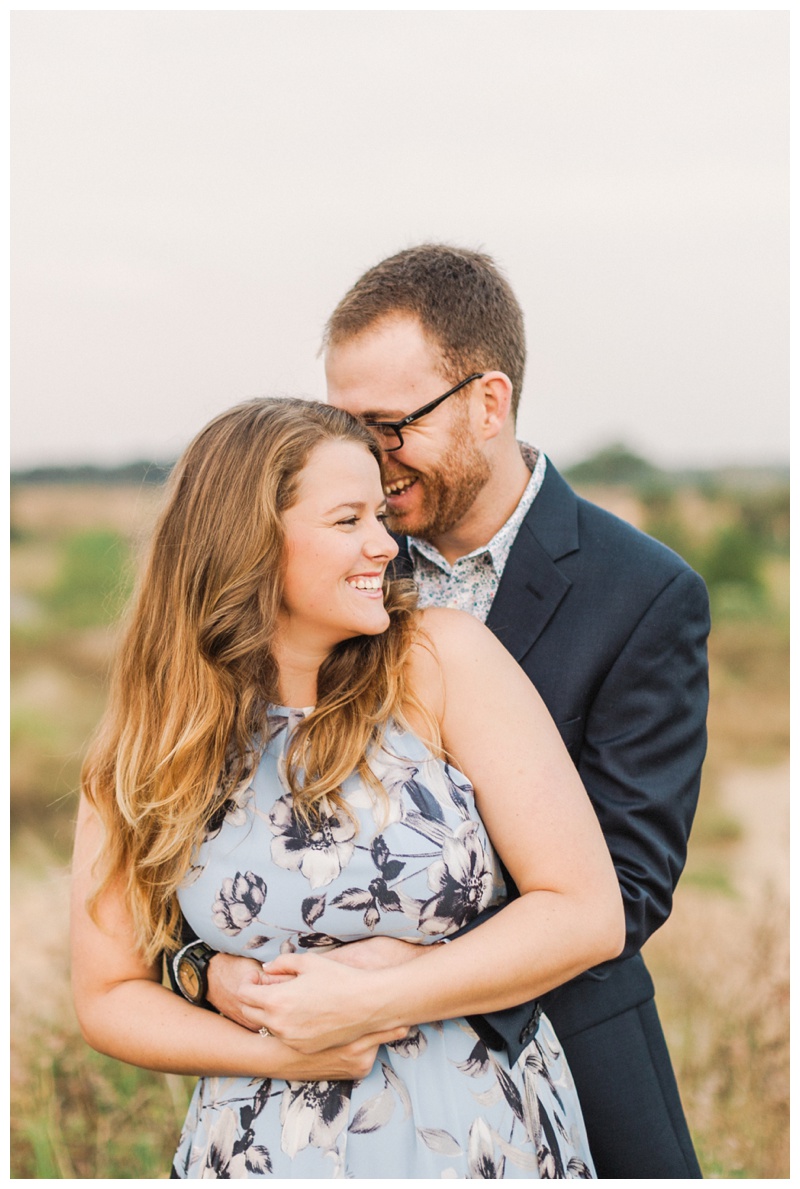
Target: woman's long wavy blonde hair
column 195, row 671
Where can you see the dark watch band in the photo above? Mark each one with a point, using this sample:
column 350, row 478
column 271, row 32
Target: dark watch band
column 190, row 970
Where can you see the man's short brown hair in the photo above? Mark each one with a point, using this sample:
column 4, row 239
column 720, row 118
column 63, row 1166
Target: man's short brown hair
column 463, row 302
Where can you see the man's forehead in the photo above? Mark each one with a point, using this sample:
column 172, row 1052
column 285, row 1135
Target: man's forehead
column 393, row 342
column 386, row 375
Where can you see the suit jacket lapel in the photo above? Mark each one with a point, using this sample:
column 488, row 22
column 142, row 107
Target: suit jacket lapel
column 532, row 585
column 402, row 566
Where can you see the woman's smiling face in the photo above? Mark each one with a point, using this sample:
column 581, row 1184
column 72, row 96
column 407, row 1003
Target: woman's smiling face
column 337, row 550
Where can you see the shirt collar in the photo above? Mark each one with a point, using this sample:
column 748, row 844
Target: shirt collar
column 500, row 545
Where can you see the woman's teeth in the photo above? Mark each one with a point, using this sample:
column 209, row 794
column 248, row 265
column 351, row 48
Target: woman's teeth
column 365, row 583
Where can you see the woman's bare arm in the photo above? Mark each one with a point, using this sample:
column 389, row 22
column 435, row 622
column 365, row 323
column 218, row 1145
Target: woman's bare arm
column 124, row 1010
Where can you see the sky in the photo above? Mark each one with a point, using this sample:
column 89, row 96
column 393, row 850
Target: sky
column 193, row 191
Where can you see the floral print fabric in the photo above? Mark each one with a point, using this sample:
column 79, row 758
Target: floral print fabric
column 436, row 1104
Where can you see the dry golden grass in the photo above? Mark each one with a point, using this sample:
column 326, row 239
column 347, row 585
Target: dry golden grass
column 748, row 716
column 51, row 510
column 721, row 969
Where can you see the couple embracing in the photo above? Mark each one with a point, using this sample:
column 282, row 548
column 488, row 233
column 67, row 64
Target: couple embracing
column 317, row 767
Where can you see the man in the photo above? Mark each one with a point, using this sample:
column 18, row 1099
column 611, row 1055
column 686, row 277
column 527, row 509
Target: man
column 428, row 347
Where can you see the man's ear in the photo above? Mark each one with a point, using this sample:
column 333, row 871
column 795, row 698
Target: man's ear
column 495, row 391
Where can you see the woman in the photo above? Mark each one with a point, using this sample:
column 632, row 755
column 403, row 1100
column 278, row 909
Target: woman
column 282, row 760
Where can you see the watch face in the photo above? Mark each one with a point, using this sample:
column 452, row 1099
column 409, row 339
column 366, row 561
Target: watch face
column 189, row 980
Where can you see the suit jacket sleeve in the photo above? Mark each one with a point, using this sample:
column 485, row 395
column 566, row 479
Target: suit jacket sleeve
column 640, row 759
column 643, row 749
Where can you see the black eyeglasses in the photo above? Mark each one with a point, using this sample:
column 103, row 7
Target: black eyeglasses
column 390, row 433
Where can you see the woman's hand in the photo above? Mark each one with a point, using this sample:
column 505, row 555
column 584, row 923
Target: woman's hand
column 230, row 977
column 375, row 953
column 348, row 1062
column 314, row 1004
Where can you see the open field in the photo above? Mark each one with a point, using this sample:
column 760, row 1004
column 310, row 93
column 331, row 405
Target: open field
column 720, row 963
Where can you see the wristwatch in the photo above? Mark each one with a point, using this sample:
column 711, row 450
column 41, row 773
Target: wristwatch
column 190, row 967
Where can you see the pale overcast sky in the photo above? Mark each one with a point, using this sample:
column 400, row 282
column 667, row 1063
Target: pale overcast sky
column 192, row 192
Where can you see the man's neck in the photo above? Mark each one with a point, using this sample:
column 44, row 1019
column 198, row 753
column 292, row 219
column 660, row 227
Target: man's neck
column 490, row 511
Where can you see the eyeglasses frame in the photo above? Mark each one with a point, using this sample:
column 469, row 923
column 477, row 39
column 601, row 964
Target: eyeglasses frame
column 399, row 426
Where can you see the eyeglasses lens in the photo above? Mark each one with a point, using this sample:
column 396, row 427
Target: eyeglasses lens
column 388, row 438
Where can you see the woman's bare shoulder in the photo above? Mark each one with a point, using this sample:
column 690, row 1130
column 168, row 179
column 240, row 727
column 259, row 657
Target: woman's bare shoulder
column 456, row 634
column 446, row 626
column 452, row 651
column 442, row 637
column 468, row 657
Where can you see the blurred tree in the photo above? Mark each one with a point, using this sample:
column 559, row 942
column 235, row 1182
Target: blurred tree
column 765, row 516
column 617, row 465
column 734, row 555
column 140, row 471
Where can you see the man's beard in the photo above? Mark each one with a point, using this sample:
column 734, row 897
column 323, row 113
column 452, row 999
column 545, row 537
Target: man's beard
column 449, row 490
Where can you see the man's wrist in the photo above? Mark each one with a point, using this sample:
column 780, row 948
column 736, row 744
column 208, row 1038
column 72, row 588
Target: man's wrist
column 190, row 970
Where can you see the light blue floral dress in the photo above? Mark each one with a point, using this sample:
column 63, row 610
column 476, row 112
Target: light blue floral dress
column 436, row 1104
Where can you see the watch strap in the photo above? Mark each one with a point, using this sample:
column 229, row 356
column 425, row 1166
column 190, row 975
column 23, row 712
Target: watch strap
column 201, row 954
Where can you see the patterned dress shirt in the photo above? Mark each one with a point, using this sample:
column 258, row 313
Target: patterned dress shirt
column 471, row 583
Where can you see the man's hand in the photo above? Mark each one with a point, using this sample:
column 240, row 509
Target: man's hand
column 229, row 977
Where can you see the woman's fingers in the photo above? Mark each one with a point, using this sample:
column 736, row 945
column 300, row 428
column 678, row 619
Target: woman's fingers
column 312, row 1004
column 375, row 953
column 286, row 964
column 356, row 1059
column 387, row 1037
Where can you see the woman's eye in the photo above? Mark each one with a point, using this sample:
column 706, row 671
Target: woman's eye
column 351, row 520
column 383, row 517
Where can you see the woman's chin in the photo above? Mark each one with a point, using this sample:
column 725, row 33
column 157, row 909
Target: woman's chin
column 378, row 624
column 374, row 624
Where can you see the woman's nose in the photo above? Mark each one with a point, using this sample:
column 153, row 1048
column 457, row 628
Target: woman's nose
column 381, row 543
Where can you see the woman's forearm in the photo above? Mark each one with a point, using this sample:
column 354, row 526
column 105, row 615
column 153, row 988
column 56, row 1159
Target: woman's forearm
column 145, row 1024
column 125, row 1012
column 536, row 943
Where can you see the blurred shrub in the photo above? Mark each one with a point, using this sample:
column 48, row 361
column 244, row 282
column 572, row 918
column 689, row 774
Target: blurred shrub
column 734, row 555
column 664, row 522
column 765, row 516
column 731, row 555
column 93, row 581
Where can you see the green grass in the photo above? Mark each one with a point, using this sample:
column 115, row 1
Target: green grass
column 82, row 1115
column 73, row 587
column 710, row 878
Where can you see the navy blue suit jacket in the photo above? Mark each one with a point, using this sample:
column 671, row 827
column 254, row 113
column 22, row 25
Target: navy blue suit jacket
column 611, row 628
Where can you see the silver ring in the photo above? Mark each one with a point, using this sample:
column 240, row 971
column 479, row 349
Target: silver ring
column 264, row 1031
